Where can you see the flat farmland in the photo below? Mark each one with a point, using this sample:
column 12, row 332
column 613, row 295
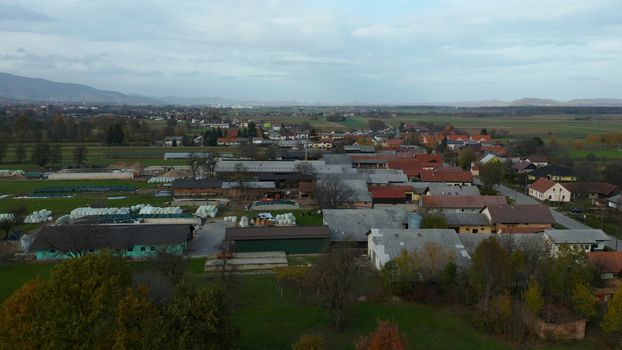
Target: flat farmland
column 99, row 155
column 563, row 126
column 608, row 154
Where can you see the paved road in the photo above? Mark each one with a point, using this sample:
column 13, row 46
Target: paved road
column 207, row 238
column 560, row 218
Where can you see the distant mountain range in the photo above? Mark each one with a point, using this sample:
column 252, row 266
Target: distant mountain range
column 15, row 89
column 23, row 89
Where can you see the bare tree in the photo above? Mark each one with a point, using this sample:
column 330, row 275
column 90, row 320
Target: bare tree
column 202, row 164
column 225, row 253
column 332, row 193
column 336, row 270
column 173, row 266
column 304, row 170
column 241, row 176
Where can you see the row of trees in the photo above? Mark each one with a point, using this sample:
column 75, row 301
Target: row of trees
column 506, row 284
column 91, row 303
column 43, row 154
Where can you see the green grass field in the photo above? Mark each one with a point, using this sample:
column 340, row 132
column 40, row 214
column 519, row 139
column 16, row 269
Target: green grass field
column 268, row 322
column 609, row 154
column 99, row 155
column 562, row 126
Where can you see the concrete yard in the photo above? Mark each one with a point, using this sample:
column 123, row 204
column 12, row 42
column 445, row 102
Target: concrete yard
column 249, row 261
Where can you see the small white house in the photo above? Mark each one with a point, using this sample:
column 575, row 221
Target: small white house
column 545, row 189
column 588, row 240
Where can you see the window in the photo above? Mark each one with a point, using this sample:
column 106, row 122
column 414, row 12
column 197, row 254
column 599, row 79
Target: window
column 142, row 249
column 52, row 251
column 152, row 249
column 130, row 249
column 475, row 230
column 91, row 250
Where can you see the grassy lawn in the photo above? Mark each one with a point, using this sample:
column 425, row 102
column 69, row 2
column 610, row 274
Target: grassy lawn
column 609, row 154
column 268, row 322
column 14, row 276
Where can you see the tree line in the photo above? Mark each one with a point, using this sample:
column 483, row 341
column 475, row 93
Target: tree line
column 43, row 154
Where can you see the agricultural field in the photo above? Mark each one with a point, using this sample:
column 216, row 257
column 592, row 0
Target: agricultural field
column 599, row 154
column 562, row 126
column 99, row 155
column 61, row 206
column 276, row 323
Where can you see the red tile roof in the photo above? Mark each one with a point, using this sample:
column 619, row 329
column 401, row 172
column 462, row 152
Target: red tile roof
column 542, row 184
column 389, row 191
column 429, row 158
column 602, row 188
column 461, row 202
column 446, row 174
column 609, row 262
column 306, row 187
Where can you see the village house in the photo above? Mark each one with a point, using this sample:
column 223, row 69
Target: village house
column 609, row 263
column 173, row 141
column 459, row 204
column 519, row 218
column 355, row 224
column 465, row 223
column 289, row 239
column 591, row 190
column 133, row 241
column 615, row 202
column 547, row 190
column 553, row 172
column 384, row 245
column 449, row 175
column 391, row 195
column 588, row 240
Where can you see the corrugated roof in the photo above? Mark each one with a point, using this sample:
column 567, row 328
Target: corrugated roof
column 466, row 219
column 196, row 184
column 587, row 236
column 461, row 202
column 356, row 223
column 276, row 232
column 520, row 214
column 115, row 237
column 389, row 191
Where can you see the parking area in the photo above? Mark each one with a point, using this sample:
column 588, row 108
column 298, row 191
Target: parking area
column 207, row 238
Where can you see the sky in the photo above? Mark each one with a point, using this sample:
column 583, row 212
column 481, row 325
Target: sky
column 389, row 51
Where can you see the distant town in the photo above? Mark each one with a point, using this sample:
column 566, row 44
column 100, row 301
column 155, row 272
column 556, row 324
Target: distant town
column 310, row 226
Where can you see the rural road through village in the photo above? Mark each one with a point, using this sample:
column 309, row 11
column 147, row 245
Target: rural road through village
column 560, row 218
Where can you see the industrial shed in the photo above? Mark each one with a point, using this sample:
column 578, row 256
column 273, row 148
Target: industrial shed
column 290, row 239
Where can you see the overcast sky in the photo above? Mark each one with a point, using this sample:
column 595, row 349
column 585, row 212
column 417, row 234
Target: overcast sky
column 337, row 51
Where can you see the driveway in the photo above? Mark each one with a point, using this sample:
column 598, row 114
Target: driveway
column 208, row 237
column 560, row 218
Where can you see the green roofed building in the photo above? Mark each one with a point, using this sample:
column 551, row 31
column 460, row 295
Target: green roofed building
column 290, row 239
column 132, row 241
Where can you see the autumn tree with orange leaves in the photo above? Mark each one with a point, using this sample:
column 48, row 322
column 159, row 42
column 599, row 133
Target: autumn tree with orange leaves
column 386, row 336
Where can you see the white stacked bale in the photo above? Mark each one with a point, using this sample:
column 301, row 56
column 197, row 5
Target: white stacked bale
column 205, row 211
column 161, row 179
column 244, row 221
column 149, row 210
column 9, row 172
column 7, row 217
column 285, row 219
column 137, row 207
column 83, row 212
column 37, row 217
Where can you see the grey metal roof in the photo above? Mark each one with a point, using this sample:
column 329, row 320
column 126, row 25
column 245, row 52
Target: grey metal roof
column 197, row 184
column 335, row 158
column 396, row 240
column 276, row 232
column 115, row 237
column 588, row 236
column 616, row 199
column 473, row 219
column 440, row 189
column 356, row 223
column 250, row 184
column 358, row 187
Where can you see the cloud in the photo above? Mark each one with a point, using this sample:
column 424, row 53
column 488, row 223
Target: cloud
column 390, row 51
